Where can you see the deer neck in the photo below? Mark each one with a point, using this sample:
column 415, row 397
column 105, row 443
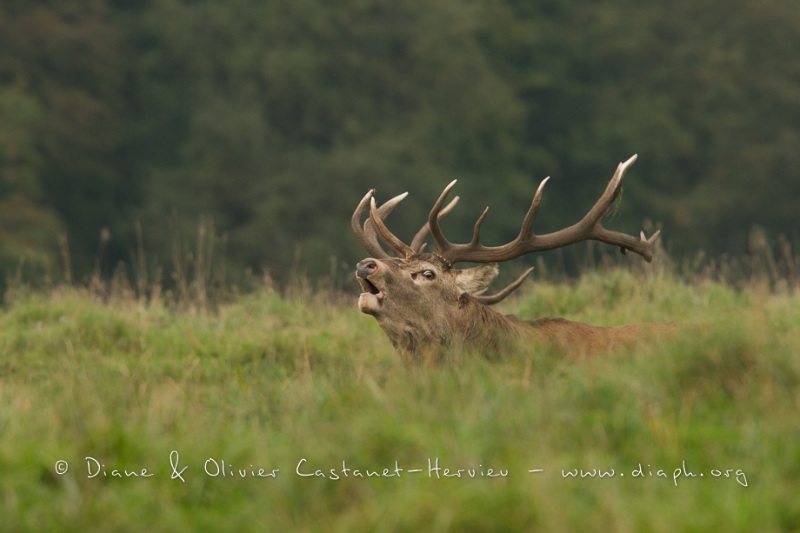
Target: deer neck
column 469, row 323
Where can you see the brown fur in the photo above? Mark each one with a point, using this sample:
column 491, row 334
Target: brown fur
column 424, row 318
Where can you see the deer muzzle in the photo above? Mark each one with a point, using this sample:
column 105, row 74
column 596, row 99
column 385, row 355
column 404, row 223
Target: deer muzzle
column 371, row 298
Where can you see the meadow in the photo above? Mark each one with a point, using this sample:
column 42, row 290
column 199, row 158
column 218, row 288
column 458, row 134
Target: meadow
column 291, row 412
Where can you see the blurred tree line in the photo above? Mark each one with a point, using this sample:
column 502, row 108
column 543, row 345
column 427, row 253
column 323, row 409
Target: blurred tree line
column 126, row 126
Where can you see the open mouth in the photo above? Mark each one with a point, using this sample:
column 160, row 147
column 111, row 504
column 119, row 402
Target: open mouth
column 370, row 288
column 371, row 299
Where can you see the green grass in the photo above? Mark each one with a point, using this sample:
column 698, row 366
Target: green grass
column 266, row 381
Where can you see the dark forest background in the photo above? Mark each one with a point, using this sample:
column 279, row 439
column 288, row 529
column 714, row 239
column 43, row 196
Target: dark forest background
column 150, row 132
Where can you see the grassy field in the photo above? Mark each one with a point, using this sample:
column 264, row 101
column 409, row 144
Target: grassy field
column 279, row 413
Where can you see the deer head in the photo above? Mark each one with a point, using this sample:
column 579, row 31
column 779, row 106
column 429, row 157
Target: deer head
column 423, row 303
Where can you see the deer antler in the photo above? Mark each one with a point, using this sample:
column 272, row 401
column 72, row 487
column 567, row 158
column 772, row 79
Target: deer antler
column 368, row 237
column 418, row 242
column 589, row 227
column 500, row 295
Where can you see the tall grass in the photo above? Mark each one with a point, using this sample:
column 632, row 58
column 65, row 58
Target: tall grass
column 701, row 430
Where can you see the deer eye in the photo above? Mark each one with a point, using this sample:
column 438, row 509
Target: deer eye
column 429, row 274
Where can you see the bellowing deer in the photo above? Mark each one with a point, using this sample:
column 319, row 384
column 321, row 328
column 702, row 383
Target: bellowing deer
column 425, row 305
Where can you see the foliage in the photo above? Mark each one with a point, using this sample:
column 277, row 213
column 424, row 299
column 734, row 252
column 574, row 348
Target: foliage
column 63, row 142
column 268, row 380
column 273, row 118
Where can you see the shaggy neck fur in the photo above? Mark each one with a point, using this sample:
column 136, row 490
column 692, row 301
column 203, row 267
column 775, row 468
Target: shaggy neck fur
column 478, row 327
column 472, row 324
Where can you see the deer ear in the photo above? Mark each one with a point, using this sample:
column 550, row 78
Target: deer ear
column 477, row 279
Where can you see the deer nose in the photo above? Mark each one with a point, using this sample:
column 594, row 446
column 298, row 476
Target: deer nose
column 366, row 268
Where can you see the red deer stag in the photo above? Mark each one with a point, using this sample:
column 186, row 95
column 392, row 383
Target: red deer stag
column 425, row 305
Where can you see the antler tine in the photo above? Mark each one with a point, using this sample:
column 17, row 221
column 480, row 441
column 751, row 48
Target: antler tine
column 383, row 211
column 600, row 208
column 589, row 227
column 497, row 297
column 368, row 240
column 396, row 244
column 418, row 242
column 533, row 210
column 476, row 230
column 591, row 222
column 366, row 234
column 433, row 219
column 527, row 223
column 444, row 245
